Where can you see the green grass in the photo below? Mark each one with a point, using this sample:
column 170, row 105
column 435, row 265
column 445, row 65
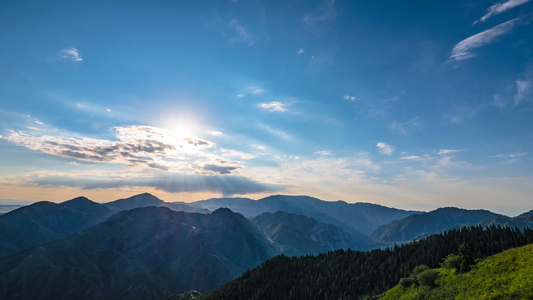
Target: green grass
column 508, row 275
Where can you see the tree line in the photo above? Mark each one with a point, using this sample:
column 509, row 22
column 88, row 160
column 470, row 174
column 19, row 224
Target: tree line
column 348, row 274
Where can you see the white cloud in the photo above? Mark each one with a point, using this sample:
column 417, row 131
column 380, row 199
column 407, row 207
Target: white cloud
column 108, row 110
column 411, row 157
column 385, row 149
column 243, row 33
column 523, row 88
column 214, row 133
column 349, row 98
column 71, row 54
column 257, row 91
column 240, row 95
column 511, row 157
column 274, row 106
column 323, row 152
column 447, row 151
column 275, row 131
column 142, row 146
column 234, row 153
column 301, row 51
column 498, row 8
column 462, row 50
column 515, row 155
column 38, row 122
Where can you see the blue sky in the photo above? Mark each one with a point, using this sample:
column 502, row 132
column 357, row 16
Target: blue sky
column 412, row 104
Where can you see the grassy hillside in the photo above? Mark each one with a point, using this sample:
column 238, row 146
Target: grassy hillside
column 507, row 275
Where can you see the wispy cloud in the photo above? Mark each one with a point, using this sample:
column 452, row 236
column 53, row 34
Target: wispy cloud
column 523, row 90
column 498, row 8
column 71, row 54
column 447, row 151
column 498, row 101
column 301, row 51
column 275, row 131
column 214, row 133
column 142, row 146
column 511, row 157
column 324, row 14
column 405, row 127
column 274, row 106
column 411, row 157
column 323, row 152
column 243, row 34
column 463, row 49
column 349, row 98
column 461, row 114
column 385, row 149
column 227, row 185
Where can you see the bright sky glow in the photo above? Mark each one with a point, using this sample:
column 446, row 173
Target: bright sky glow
column 413, row 104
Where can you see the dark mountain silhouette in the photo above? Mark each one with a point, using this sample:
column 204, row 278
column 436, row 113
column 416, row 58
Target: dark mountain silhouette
column 143, row 253
column 360, row 219
column 43, row 222
column 146, row 200
column 421, row 225
column 299, row 235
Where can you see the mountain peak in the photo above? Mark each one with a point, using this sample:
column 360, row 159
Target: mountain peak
column 223, row 210
column 83, row 204
column 140, row 200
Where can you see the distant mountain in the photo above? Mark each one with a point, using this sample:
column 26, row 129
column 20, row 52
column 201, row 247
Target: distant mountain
column 7, row 208
column 526, row 214
column 299, row 235
column 43, row 222
column 421, row 225
column 146, row 200
column 360, row 219
column 143, row 253
column 516, row 222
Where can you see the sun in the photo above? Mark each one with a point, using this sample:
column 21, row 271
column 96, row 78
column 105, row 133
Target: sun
column 183, row 128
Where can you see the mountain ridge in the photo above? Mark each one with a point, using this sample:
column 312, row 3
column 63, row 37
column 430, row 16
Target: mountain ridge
column 164, row 251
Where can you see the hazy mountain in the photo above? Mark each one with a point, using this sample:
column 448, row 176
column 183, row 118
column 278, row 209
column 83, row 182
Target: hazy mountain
column 421, row 225
column 360, row 219
column 516, row 222
column 146, row 200
column 5, row 208
column 298, row 235
column 143, row 253
column 43, row 222
column 526, row 214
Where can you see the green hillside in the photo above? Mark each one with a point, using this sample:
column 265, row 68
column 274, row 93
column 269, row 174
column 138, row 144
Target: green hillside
column 507, row 275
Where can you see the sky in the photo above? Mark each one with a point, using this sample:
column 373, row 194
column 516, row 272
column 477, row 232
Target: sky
column 408, row 104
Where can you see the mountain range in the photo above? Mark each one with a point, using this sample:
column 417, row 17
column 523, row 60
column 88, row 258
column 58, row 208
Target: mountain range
column 145, row 248
column 419, row 226
column 299, row 235
column 43, row 222
column 143, row 253
column 361, row 219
